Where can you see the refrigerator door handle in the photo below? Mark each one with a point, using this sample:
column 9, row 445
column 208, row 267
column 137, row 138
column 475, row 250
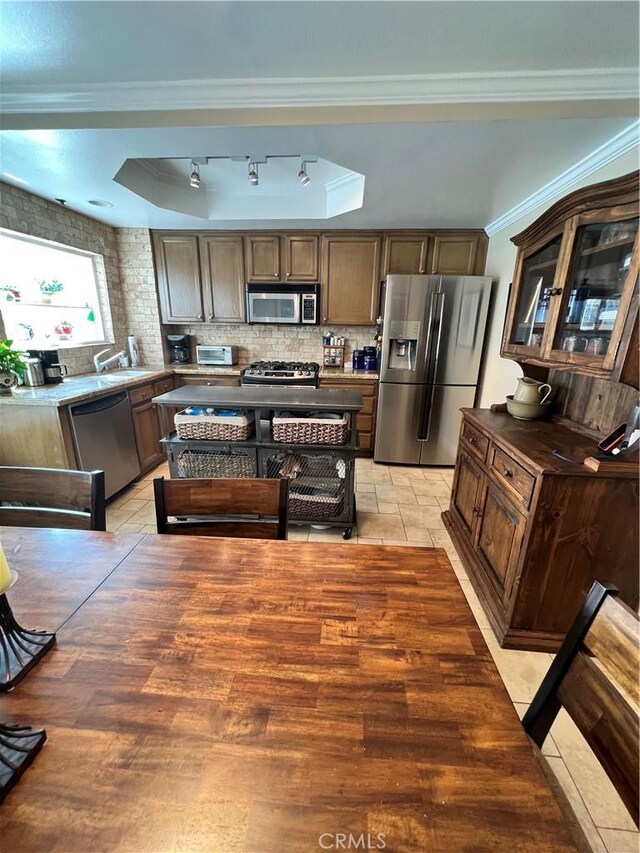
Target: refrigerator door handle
column 432, row 355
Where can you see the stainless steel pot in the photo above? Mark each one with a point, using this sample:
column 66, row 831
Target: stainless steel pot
column 34, row 372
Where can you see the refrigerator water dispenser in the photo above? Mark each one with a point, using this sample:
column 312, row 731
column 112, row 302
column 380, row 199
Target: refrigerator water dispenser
column 403, row 344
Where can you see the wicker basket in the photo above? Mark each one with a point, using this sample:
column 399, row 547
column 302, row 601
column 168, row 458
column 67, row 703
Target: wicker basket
column 312, row 430
column 314, row 506
column 216, row 463
column 214, row 427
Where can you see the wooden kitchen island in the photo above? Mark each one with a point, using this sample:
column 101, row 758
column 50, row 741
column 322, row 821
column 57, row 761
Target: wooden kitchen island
column 321, row 475
column 223, row 695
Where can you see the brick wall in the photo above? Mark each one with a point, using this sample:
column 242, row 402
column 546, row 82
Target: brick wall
column 140, row 293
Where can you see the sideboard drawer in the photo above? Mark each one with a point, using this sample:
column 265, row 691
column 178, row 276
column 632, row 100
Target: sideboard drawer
column 512, row 474
column 476, row 441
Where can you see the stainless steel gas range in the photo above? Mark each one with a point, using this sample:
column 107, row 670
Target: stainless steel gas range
column 296, row 374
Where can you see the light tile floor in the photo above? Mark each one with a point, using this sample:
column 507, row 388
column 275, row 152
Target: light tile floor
column 402, row 506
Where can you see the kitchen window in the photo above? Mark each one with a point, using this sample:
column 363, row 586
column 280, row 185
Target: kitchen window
column 49, row 293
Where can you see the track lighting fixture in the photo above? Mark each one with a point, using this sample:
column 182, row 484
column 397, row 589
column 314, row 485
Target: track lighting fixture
column 253, row 174
column 194, row 178
column 304, row 179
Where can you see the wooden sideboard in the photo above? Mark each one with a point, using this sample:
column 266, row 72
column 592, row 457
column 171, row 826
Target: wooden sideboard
column 535, row 527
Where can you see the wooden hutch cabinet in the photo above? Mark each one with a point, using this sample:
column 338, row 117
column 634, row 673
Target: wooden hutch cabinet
column 533, row 524
column 574, row 299
column 535, row 529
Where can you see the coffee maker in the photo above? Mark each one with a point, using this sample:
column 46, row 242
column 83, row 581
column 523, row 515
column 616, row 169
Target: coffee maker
column 179, row 349
column 51, row 367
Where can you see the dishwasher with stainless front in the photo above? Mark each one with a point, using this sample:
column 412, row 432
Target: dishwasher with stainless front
column 105, row 440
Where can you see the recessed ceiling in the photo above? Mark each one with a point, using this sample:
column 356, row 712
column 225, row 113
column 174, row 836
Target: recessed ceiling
column 226, row 193
column 442, row 174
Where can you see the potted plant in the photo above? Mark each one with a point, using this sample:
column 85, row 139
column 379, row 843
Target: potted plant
column 49, row 288
column 64, row 330
column 12, row 367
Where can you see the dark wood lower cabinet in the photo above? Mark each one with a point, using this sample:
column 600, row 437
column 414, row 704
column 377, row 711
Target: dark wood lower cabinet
column 534, row 530
column 147, row 422
column 146, row 426
column 366, row 420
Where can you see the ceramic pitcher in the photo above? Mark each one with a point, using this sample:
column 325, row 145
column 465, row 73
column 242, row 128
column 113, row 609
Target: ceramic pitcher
column 530, row 391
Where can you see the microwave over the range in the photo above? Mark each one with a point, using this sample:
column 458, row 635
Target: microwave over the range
column 283, row 303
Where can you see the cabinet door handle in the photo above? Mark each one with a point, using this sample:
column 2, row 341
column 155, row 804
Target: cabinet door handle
column 477, row 512
column 288, row 275
column 211, row 318
column 276, row 275
column 507, row 472
column 200, row 317
column 555, row 291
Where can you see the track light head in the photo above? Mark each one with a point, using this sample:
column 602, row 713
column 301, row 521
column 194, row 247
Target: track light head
column 253, row 174
column 304, row 179
column 194, row 178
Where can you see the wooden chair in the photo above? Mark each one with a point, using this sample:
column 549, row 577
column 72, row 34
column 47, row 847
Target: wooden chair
column 595, row 677
column 251, row 508
column 52, row 497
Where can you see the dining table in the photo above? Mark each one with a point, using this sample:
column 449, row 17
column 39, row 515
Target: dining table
column 216, row 694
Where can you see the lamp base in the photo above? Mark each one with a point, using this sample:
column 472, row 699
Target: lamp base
column 20, row 649
column 19, row 745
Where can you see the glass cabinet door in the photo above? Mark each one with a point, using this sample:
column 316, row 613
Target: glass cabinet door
column 534, row 296
column 599, row 269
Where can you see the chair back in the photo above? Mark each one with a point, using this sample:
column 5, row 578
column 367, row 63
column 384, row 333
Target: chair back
column 595, row 676
column 251, row 508
column 52, row 497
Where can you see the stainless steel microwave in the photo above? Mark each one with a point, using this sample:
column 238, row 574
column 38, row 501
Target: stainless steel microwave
column 283, row 303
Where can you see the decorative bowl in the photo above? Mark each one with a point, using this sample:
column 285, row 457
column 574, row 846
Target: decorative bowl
column 526, row 411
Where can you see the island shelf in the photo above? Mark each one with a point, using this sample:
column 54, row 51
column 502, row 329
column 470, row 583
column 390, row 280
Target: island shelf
column 321, row 476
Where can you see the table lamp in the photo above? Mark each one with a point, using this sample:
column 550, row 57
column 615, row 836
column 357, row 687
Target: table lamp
column 19, row 651
column 20, row 648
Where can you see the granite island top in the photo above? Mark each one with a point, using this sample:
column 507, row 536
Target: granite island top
column 76, row 389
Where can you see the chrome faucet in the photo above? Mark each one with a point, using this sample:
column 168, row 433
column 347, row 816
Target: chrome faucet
column 101, row 366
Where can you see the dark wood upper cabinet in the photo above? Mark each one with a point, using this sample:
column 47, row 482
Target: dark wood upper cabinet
column 405, row 254
column 300, row 257
column 262, row 257
column 178, row 271
column 459, row 253
column 574, row 300
column 222, row 265
column 350, row 278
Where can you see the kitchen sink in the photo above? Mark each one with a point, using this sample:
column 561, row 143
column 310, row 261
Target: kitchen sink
column 118, row 376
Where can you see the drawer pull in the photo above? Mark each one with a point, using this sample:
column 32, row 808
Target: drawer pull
column 477, row 512
column 507, row 473
column 473, row 440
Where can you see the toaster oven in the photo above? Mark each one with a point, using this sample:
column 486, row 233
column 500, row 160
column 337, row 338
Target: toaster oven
column 216, row 355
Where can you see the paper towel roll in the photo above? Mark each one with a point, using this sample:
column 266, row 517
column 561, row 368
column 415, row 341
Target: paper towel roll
column 133, row 351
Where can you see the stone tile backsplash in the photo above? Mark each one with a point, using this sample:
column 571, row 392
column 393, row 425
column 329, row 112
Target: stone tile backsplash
column 286, row 343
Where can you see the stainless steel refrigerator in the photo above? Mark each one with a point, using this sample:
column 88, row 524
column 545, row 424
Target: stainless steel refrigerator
column 433, row 331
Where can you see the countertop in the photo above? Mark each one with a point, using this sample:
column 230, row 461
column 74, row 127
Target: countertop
column 257, row 396
column 76, row 389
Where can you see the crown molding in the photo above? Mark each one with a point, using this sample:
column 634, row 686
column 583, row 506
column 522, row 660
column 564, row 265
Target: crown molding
column 489, row 87
column 626, row 140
